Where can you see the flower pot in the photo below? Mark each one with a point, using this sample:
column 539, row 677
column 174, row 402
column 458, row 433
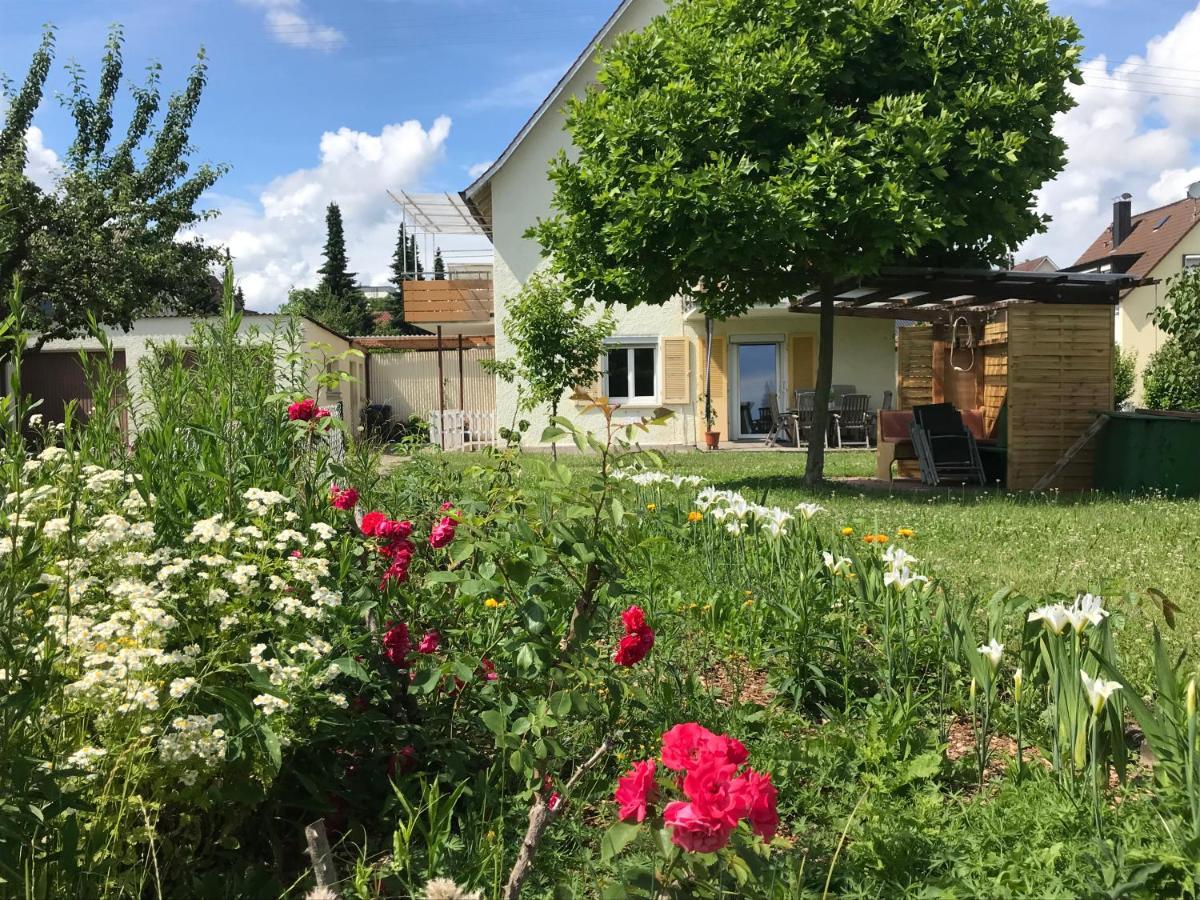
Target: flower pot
column 712, row 439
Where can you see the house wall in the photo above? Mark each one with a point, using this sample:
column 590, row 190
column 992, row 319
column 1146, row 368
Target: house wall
column 521, row 194
column 136, row 345
column 1135, row 330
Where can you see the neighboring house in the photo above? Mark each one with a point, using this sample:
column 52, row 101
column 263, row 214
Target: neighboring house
column 1037, row 264
column 656, row 357
column 1157, row 243
column 54, row 374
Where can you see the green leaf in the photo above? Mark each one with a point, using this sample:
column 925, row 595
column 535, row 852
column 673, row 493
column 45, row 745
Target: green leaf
column 271, row 742
column 350, row 666
column 495, row 722
column 616, row 839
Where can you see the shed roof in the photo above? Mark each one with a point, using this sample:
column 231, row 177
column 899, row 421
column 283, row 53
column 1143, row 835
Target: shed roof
column 935, row 294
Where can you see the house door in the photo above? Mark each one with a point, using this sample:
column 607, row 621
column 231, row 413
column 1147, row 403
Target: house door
column 56, row 379
column 755, row 379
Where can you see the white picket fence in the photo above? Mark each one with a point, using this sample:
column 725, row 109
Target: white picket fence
column 456, row 429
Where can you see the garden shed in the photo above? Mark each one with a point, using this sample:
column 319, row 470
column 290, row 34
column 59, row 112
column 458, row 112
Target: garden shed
column 1029, row 355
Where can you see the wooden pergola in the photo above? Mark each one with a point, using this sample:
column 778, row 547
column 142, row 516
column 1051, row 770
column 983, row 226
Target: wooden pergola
column 1033, row 351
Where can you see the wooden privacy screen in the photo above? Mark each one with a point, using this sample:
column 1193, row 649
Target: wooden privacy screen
column 459, row 300
column 994, row 360
column 1060, row 374
column 914, row 345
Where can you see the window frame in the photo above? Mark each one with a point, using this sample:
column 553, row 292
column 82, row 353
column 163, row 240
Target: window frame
column 1193, row 256
column 628, row 346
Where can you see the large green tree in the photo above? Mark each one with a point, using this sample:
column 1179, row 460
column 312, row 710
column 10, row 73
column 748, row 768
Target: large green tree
column 348, row 314
column 738, row 152
column 111, row 238
column 406, row 266
column 439, row 266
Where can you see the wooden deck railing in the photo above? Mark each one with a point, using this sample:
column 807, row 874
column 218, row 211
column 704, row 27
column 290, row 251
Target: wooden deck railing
column 434, row 302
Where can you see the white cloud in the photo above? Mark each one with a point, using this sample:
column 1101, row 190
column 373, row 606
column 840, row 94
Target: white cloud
column 288, row 23
column 479, row 168
column 1129, row 133
column 276, row 243
column 41, row 163
column 524, row 91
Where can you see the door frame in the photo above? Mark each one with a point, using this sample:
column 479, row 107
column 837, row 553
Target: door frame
column 735, row 377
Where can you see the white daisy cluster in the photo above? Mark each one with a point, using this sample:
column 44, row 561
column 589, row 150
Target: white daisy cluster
column 194, row 739
column 86, row 759
column 260, row 502
column 213, row 530
column 1087, row 610
column 270, row 704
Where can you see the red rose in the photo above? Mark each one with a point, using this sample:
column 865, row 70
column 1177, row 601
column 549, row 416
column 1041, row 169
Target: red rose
column 634, row 619
column 371, row 522
column 758, row 795
column 303, row 411
column 343, row 498
column 632, row 648
column 683, row 745
column 396, row 644
column 636, row 790
column 430, row 641
column 709, row 785
column 693, row 831
column 554, row 802
column 442, row 533
column 489, row 669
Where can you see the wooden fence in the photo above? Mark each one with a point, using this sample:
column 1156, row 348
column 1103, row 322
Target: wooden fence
column 408, row 381
column 456, row 429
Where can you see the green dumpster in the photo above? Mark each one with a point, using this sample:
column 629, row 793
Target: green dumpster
column 1148, row 451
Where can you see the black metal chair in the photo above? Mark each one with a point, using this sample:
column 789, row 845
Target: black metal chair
column 946, row 449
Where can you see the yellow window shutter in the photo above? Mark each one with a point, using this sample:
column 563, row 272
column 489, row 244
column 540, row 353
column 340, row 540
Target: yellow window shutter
column 720, row 388
column 802, row 365
column 676, row 389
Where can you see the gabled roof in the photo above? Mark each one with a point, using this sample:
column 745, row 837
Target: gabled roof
column 1155, row 233
column 1035, row 265
column 479, row 183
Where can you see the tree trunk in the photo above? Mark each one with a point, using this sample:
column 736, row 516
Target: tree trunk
column 814, row 470
column 553, row 416
column 708, row 408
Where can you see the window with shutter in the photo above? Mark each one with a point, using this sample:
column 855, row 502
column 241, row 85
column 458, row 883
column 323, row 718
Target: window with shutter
column 676, row 389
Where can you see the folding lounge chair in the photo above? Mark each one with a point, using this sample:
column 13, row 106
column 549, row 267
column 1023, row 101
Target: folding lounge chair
column 946, row 449
column 850, row 421
column 781, row 421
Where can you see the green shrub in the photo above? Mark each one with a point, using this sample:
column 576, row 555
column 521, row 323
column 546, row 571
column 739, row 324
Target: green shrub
column 1171, row 379
column 1124, row 373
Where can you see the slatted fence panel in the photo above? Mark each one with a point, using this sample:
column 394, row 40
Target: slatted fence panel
column 408, row 381
column 1060, row 373
column 915, row 371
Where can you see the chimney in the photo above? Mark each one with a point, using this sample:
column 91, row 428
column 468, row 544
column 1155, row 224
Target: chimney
column 1121, row 216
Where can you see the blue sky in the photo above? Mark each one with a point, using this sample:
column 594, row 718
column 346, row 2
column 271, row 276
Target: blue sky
column 312, row 100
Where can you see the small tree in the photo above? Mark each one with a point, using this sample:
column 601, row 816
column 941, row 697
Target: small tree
column 109, row 241
column 439, row 267
column 737, row 152
column 348, row 313
column 1124, row 375
column 395, row 301
column 1180, row 315
column 335, row 275
column 557, row 344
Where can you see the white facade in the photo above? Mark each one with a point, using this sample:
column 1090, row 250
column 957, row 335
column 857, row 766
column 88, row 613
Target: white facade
column 315, row 340
column 517, row 193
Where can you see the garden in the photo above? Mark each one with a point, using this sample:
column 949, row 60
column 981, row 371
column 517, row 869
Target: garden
column 615, row 674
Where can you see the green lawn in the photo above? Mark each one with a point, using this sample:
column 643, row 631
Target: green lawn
column 982, row 541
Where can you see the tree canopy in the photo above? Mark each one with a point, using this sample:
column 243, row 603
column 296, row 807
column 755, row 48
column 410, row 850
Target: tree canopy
column 111, row 238
column 737, row 152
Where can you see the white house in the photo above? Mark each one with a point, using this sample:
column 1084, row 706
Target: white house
column 656, row 355
column 54, row 375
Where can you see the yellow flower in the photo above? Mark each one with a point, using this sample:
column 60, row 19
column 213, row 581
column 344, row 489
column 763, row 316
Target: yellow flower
column 904, row 532
column 748, row 603
column 695, row 515
column 749, row 593
column 881, row 538
column 847, row 531
column 493, row 603
column 651, row 507
column 868, row 538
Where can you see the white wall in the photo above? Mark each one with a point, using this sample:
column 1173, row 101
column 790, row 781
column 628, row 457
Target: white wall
column 521, row 194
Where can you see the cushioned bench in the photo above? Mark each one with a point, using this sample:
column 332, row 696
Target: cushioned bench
column 895, row 443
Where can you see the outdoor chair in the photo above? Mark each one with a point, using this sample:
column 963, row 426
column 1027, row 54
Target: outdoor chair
column 781, row 421
column 806, row 405
column 946, row 449
column 747, row 419
column 850, row 420
column 873, row 418
column 838, row 391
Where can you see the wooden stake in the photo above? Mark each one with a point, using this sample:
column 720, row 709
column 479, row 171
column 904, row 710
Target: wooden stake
column 324, row 870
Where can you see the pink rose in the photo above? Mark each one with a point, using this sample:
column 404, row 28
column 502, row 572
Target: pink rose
column 694, row 831
column 396, row 645
column 758, row 796
column 632, row 648
column 636, row 791
column 371, row 522
column 684, row 744
column 430, row 642
column 343, row 498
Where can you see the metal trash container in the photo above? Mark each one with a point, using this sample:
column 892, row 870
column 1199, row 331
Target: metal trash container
column 1148, row 450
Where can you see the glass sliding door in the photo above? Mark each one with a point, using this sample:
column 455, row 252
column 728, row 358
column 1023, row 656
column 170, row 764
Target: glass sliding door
column 756, row 379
